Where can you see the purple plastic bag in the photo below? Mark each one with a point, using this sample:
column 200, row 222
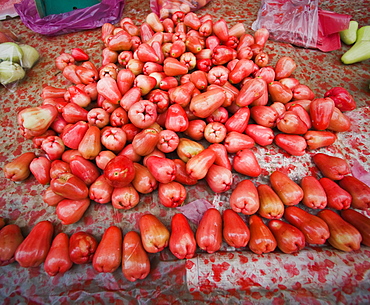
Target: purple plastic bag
column 107, row 11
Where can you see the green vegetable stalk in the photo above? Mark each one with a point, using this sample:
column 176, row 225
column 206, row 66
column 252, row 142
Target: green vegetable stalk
column 349, row 36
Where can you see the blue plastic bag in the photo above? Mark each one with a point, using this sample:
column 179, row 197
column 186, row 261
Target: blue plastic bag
column 77, row 20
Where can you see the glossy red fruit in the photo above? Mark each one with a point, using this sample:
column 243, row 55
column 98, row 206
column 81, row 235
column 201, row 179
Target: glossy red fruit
column 10, row 239
column 135, row 260
column 119, row 171
column 343, row 235
column 209, row 232
column 82, row 247
column 314, row 194
column 315, row 230
column 293, row 144
column 162, row 168
column 35, row 247
column 108, row 254
column 245, row 162
column 337, row 197
column 19, row 168
column 343, row 100
column 289, row 238
column 57, row 261
column 359, row 191
column 182, row 242
column 317, row 139
column 360, row 221
column 289, row 191
column 244, row 198
column 219, row 178
column 261, row 238
column 235, row 231
column 284, row 67
column 69, row 186
column 271, row 206
column 154, row 234
column 332, row 167
column 171, row 194
column 321, row 111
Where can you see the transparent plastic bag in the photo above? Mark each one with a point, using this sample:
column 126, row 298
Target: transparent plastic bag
column 165, row 8
column 292, row 21
column 73, row 21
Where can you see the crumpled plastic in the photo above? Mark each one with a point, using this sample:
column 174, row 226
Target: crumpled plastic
column 165, row 8
column 107, row 11
column 301, row 23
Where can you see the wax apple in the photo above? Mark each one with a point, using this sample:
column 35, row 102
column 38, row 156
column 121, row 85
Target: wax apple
column 314, row 229
column 332, row 167
column 172, row 194
column 69, row 186
column 144, row 182
column 219, row 178
column 100, row 190
column 245, row 162
column 19, row 168
column 337, row 197
column 264, row 115
column 343, row 100
column 142, row 114
column 73, row 134
column 289, row 238
column 10, row 239
column 236, row 141
column 314, row 194
column 51, row 198
column 235, row 231
column 343, row 235
column 35, row 247
column 57, row 261
column 288, row 190
column 176, row 118
column 188, row 148
column 163, row 169
column 271, row 206
column 359, row 191
column 82, row 247
column 108, row 254
column 284, row 67
column 135, row 260
column 321, row 111
column 209, row 232
column 71, row 211
column 90, row 145
column 260, row 134
column 204, row 104
column 261, row 238
column 154, row 234
column 244, row 198
column 317, row 138
column 222, row 157
column 119, row 171
column 84, row 169
column 293, row 144
column 34, row 121
column 360, row 222
column 198, row 166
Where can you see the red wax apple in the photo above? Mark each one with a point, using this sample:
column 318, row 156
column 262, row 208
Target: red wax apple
column 293, row 144
column 244, row 198
column 246, row 163
column 19, row 168
column 69, row 186
column 360, row 222
column 171, row 194
column 125, row 197
column 35, row 247
column 71, row 211
column 163, row 169
column 314, row 194
column 82, row 247
column 315, row 230
column 343, row 235
column 209, row 232
column 10, row 239
column 119, row 171
column 198, row 166
column 182, row 242
column 108, row 254
column 288, row 191
column 332, row 167
column 57, row 261
column 261, row 238
column 317, row 138
column 271, row 206
column 154, row 234
column 235, row 231
column 135, row 260
column 219, row 178
column 260, row 134
column 100, row 191
column 337, row 197
column 359, row 191
column 289, row 238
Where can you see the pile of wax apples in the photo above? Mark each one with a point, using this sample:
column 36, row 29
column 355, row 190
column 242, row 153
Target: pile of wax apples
column 176, row 101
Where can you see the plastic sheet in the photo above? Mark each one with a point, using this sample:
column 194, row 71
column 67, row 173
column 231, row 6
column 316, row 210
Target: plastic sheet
column 301, row 23
column 73, row 21
column 165, row 8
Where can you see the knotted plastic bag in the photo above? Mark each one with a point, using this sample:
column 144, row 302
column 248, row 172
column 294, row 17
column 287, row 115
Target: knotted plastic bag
column 76, row 20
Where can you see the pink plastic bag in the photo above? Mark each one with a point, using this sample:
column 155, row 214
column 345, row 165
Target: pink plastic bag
column 302, row 23
column 73, row 21
column 165, row 8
